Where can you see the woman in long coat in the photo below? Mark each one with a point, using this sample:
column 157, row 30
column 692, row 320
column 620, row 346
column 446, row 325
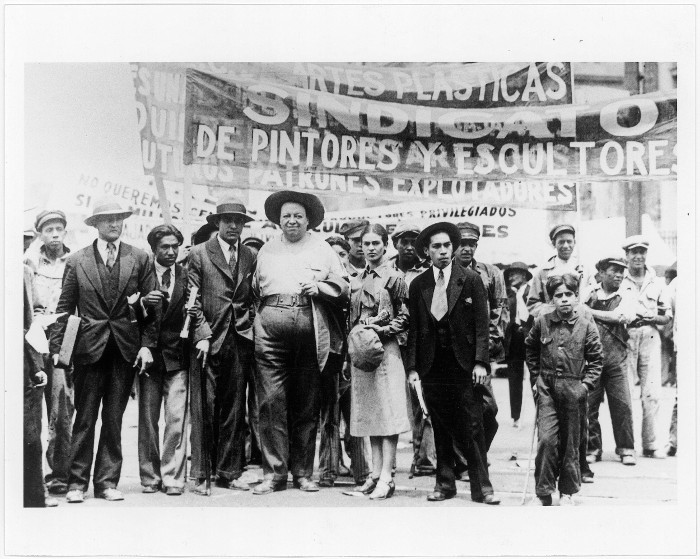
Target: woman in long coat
column 378, row 399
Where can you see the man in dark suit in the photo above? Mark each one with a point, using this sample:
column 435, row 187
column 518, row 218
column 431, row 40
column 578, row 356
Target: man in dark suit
column 448, row 351
column 97, row 282
column 166, row 382
column 221, row 269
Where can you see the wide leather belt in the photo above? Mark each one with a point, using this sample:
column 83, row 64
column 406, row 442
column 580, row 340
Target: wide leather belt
column 287, row 300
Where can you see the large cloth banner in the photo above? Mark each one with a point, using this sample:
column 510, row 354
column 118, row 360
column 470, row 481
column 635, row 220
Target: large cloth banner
column 255, row 129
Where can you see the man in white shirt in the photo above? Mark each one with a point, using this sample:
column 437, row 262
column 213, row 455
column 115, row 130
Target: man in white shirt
column 644, row 345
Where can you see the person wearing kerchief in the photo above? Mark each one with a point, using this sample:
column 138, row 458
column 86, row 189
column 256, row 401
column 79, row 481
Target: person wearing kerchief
column 302, row 289
column 653, row 308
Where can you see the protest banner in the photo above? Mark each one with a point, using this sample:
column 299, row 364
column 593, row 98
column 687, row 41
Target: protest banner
column 253, row 132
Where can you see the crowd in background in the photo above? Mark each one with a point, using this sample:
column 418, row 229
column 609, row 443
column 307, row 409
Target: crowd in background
column 260, row 347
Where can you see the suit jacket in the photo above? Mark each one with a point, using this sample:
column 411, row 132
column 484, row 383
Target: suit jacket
column 467, row 314
column 82, row 290
column 222, row 301
column 171, row 318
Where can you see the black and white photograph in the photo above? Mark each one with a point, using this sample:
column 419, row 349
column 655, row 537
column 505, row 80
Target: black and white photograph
column 312, row 275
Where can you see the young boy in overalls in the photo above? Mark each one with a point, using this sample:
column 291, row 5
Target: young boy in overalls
column 565, row 359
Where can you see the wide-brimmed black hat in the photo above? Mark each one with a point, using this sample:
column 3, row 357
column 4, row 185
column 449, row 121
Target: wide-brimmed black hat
column 517, row 266
column 230, row 206
column 314, row 208
column 440, row 227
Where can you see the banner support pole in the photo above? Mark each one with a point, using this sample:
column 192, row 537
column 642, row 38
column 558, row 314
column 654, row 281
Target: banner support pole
column 163, row 200
column 187, row 204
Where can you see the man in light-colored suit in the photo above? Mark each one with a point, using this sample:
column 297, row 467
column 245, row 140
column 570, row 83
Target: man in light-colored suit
column 221, row 269
column 97, row 282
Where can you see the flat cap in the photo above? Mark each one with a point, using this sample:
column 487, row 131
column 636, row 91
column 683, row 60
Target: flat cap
column 49, row 215
column 350, row 227
column 469, row 230
column 404, row 229
column 613, row 259
column 635, row 241
column 563, row 228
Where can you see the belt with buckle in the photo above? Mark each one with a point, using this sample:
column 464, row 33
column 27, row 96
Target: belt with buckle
column 287, row 300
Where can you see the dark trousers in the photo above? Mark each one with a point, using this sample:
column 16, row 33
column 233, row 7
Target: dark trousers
column 288, row 387
column 60, row 407
column 219, row 426
column 561, row 405
column 252, row 453
column 516, row 374
column 168, row 388
column 613, row 382
column 457, row 415
column 489, row 424
column 329, row 449
column 107, row 382
column 422, row 436
column 33, row 477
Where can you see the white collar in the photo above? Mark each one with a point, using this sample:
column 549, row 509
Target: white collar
column 446, row 272
column 102, row 245
column 225, row 247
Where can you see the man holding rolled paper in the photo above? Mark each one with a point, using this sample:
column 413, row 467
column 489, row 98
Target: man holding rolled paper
column 166, row 382
column 110, row 346
column 221, row 269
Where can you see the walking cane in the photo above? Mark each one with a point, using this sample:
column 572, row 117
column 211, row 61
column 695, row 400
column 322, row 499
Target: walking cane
column 529, row 460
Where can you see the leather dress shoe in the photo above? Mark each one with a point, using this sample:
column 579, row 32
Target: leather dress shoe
column 659, row 454
column 545, row 500
column 326, row 482
column 488, row 500
column 56, row 487
column 268, row 486
column 437, row 496
column 237, row 484
column 109, row 494
column 151, row 488
column 592, row 458
column 75, row 496
column 200, row 488
column 305, row 484
column 383, row 490
column 173, row 491
column 628, row 460
column 671, row 450
column 587, row 477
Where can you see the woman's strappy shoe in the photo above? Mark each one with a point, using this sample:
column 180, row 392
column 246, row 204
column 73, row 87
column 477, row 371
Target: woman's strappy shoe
column 365, row 489
column 383, row 490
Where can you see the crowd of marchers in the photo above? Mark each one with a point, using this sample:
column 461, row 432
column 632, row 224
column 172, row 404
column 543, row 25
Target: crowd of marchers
column 250, row 350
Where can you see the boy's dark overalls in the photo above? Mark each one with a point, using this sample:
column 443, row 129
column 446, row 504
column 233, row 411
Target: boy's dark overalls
column 562, row 356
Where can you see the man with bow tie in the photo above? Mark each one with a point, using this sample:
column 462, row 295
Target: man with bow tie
column 448, row 351
column 221, row 269
column 166, row 381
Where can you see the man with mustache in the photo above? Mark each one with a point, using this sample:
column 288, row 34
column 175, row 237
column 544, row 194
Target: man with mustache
column 97, row 282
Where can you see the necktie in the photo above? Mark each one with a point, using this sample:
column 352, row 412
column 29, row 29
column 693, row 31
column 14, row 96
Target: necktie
column 232, row 258
column 439, row 306
column 165, row 280
column 111, row 250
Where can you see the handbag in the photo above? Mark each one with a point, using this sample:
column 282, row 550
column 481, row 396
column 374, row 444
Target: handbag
column 365, row 348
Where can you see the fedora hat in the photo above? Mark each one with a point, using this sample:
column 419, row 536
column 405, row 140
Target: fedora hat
column 517, row 266
column 229, row 206
column 107, row 208
column 440, row 227
column 314, row 208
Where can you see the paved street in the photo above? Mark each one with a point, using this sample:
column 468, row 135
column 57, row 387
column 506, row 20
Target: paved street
column 650, row 482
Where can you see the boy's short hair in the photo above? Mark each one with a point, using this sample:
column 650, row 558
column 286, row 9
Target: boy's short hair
column 569, row 280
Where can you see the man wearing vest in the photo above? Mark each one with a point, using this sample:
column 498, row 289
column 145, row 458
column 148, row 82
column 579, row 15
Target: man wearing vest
column 612, row 310
column 97, row 282
column 221, row 269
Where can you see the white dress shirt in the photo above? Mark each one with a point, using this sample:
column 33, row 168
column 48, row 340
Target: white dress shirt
column 228, row 249
column 160, row 270
column 446, row 272
column 102, row 248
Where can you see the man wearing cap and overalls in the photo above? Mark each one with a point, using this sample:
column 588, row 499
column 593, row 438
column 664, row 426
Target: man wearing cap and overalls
column 644, row 345
column 492, row 279
column 352, row 231
column 563, row 239
column 48, row 264
column 407, row 261
column 97, row 282
column 612, row 309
